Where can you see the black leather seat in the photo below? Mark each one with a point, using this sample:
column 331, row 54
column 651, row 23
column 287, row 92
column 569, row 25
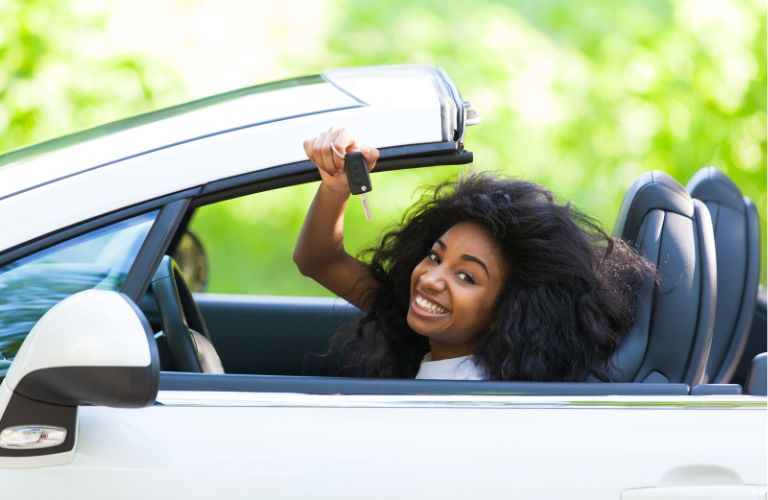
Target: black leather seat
column 671, row 337
column 737, row 243
column 756, row 380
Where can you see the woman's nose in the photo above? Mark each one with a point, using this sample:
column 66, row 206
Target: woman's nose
column 433, row 279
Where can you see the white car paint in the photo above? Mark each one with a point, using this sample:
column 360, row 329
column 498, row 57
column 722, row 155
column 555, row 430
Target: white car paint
column 227, row 115
column 46, row 187
column 389, row 88
column 235, row 445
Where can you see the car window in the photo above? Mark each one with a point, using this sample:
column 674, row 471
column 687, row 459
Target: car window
column 263, row 316
column 249, row 241
column 32, row 285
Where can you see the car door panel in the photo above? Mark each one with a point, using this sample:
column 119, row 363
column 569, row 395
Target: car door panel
column 239, row 445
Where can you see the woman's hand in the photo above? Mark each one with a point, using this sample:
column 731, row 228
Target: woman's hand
column 330, row 163
column 319, row 251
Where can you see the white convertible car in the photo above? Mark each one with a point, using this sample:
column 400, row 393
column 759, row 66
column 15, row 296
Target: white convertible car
column 119, row 382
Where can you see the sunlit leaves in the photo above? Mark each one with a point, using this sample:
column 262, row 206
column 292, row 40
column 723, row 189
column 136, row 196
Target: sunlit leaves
column 54, row 79
column 582, row 96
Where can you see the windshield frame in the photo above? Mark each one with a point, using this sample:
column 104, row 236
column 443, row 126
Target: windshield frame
column 27, row 152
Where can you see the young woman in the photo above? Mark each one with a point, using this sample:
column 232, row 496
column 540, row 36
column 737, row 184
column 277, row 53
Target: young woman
column 487, row 278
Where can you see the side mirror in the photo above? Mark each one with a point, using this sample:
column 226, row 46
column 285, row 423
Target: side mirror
column 94, row 347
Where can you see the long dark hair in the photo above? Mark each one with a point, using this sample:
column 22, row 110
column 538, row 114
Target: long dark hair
column 566, row 302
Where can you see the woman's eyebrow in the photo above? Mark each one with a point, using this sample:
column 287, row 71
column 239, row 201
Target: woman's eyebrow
column 467, row 257
column 472, row 258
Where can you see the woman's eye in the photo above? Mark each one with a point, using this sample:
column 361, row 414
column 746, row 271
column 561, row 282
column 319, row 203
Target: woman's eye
column 466, row 277
column 433, row 257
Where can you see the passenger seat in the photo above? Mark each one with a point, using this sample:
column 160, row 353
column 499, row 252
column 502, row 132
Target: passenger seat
column 737, row 241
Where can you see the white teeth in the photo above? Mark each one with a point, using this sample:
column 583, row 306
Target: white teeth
column 429, row 306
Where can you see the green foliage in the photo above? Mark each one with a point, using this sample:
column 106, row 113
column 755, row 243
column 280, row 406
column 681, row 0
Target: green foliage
column 579, row 96
column 54, row 79
column 585, row 96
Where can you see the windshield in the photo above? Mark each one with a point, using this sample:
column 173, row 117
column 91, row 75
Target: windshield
column 32, row 285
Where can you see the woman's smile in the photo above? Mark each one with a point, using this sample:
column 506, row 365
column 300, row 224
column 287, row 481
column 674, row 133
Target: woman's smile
column 454, row 289
column 428, row 307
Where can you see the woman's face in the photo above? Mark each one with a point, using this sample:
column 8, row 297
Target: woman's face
column 454, row 289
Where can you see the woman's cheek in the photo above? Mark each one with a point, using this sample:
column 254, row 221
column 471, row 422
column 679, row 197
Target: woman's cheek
column 417, row 271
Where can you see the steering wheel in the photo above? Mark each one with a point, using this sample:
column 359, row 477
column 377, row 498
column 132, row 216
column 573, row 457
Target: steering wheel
column 183, row 325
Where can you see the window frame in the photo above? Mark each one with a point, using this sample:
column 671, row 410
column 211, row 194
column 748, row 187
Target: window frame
column 171, row 208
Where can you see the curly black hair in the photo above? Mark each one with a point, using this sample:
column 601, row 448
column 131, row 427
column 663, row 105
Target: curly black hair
column 564, row 306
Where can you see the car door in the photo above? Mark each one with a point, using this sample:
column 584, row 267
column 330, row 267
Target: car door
column 231, row 444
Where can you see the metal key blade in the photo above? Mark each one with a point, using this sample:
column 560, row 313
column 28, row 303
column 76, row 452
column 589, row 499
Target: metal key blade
column 366, row 207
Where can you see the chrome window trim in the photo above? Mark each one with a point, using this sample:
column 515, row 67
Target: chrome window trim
column 291, row 400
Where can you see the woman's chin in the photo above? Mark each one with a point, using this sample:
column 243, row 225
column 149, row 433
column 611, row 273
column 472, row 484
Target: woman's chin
column 414, row 323
column 417, row 325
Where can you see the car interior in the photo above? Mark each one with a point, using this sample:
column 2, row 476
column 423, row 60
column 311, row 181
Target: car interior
column 673, row 327
column 734, row 220
column 699, row 331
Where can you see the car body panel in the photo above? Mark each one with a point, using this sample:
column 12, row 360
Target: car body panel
column 406, row 87
column 33, row 186
column 215, row 119
column 287, row 445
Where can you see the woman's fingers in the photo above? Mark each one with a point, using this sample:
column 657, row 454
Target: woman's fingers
column 321, row 150
column 315, row 153
column 371, row 156
column 326, row 153
column 342, row 143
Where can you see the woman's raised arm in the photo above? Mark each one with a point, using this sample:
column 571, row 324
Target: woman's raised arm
column 319, row 252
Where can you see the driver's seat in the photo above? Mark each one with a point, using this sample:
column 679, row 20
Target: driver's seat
column 671, row 336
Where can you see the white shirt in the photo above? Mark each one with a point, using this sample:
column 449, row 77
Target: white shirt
column 461, row 368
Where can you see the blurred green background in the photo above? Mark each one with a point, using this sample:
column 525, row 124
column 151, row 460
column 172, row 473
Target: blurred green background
column 579, row 96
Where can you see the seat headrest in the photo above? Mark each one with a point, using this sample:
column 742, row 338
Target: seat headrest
column 737, row 240
column 653, row 190
column 670, row 339
column 711, row 185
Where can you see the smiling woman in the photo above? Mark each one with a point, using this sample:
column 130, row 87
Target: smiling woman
column 454, row 289
column 487, row 278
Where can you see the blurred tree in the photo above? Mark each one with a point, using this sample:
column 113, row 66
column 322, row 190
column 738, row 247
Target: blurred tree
column 580, row 96
column 585, row 96
column 55, row 79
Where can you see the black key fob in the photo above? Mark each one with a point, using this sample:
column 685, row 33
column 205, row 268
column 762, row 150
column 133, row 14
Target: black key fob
column 356, row 169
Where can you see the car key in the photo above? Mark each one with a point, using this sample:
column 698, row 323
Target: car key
column 358, row 178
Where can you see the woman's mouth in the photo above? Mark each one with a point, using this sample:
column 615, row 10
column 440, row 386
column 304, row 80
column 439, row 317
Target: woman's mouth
column 423, row 305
